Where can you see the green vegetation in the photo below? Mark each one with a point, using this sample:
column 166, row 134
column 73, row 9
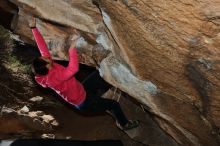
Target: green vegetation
column 14, row 64
column 5, row 38
column 7, row 58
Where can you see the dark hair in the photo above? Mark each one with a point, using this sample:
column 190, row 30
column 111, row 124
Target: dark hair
column 39, row 66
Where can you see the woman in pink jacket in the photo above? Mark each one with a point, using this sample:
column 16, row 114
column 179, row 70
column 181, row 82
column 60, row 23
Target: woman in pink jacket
column 61, row 79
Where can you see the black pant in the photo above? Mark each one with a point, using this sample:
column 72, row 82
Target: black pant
column 98, row 104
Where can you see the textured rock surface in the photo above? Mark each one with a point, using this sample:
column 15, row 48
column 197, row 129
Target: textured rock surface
column 62, row 21
column 163, row 53
column 173, row 44
column 148, row 132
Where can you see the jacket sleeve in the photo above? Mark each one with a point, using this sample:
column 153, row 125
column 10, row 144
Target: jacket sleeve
column 73, row 66
column 42, row 46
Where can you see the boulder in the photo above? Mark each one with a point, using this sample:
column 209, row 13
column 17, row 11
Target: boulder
column 165, row 54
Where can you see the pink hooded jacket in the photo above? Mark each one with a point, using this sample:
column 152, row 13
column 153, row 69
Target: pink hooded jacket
column 59, row 78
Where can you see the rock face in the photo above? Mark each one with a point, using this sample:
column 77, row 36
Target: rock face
column 165, row 54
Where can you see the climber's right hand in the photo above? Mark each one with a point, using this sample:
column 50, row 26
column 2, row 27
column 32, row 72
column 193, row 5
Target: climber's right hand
column 32, row 22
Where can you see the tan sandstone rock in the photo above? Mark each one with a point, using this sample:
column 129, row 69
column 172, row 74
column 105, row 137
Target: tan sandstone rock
column 164, row 53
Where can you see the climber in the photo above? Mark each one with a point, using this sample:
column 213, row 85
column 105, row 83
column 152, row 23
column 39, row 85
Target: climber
column 61, row 79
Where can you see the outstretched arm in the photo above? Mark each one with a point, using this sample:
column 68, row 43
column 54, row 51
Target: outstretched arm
column 73, row 66
column 42, row 46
